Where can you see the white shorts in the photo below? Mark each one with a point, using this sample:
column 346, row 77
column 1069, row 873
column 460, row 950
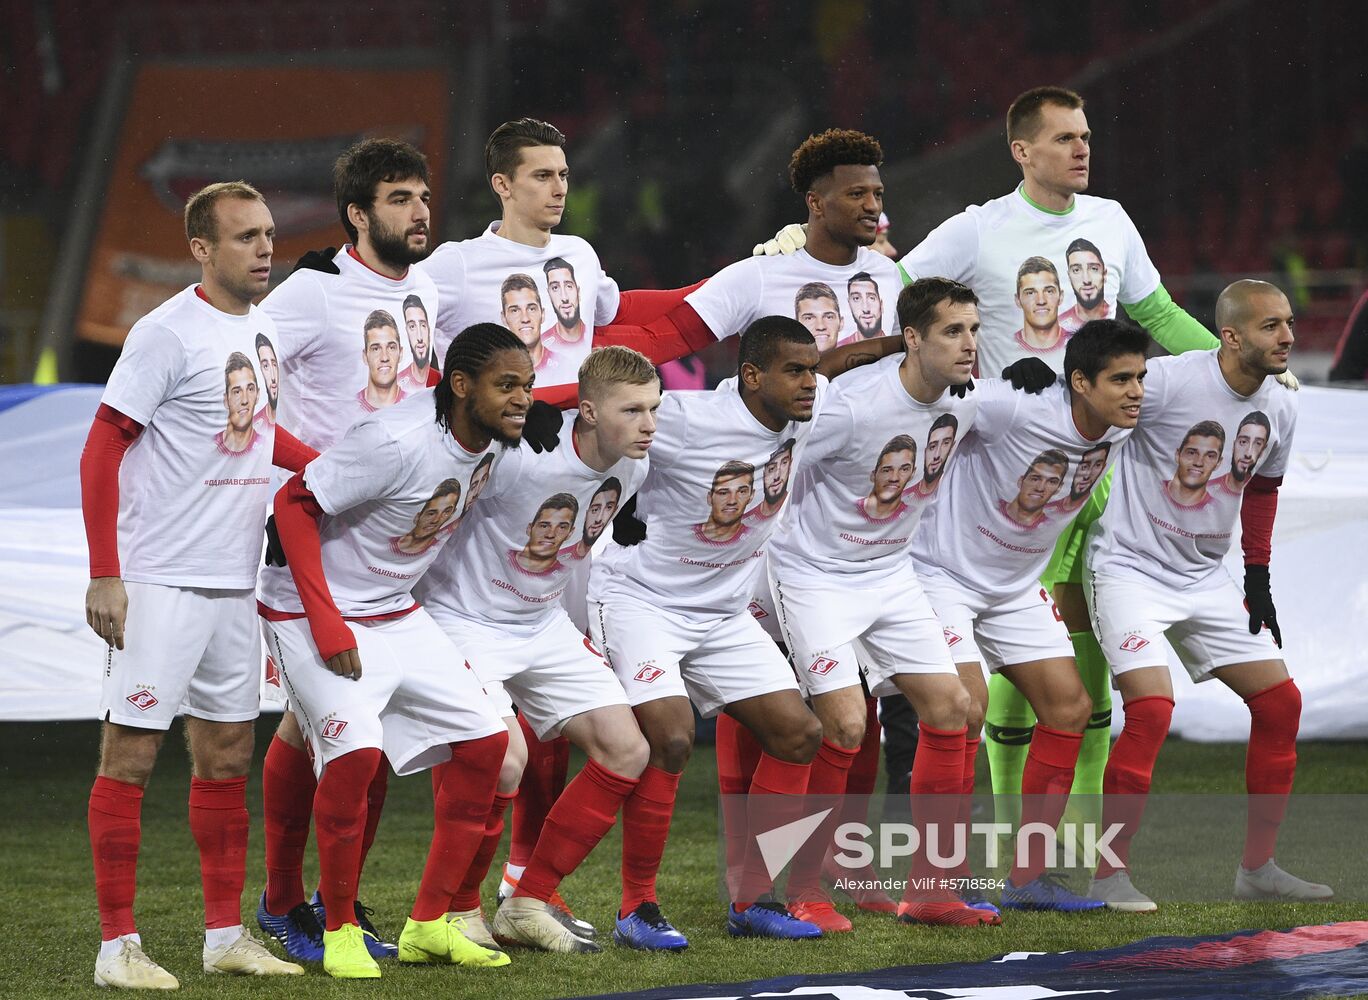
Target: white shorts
column 416, row 695
column 187, row 651
column 1208, row 628
column 553, row 674
column 998, row 634
column 762, row 609
column 659, row 654
column 834, row 630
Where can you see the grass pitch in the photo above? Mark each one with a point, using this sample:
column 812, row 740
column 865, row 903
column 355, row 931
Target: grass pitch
column 47, row 888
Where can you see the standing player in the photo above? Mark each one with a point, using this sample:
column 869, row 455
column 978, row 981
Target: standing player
column 844, row 586
column 381, row 187
column 1156, row 572
column 191, row 578
column 367, row 669
column 505, row 615
column 980, row 549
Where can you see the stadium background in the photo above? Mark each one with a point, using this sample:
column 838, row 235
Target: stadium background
column 1234, row 132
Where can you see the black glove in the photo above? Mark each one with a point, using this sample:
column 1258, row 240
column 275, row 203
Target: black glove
column 1259, row 603
column 317, row 260
column 960, row 391
column 275, row 552
column 1031, row 374
column 628, row 529
column 543, row 426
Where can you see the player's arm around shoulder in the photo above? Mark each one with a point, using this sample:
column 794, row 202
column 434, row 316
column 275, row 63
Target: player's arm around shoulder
column 852, row 356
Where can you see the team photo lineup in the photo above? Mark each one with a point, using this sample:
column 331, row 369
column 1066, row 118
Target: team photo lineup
column 957, row 477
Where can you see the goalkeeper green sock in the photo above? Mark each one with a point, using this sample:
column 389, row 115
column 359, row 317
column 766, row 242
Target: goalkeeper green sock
column 1007, row 727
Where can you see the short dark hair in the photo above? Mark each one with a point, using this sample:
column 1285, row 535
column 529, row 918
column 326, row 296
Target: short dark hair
column 944, row 420
column 1023, row 117
column 237, row 361
column 470, row 351
column 819, row 155
column 816, row 290
column 200, row 220
column 1035, row 265
column 503, row 150
column 1097, row 343
column 413, row 302
column 558, row 264
column 1085, row 245
column 446, row 488
column 1256, row 417
column 1204, row 428
column 1051, row 457
column 734, row 469
column 514, row 282
column 902, row 442
column 861, row 276
column 759, row 342
column 264, row 341
column 377, row 320
column 367, row 165
column 559, row 501
column 610, row 485
column 918, row 301
column 785, row 446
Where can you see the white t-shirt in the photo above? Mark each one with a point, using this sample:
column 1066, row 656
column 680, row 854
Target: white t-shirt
column 562, row 311
column 335, row 370
column 988, row 246
column 833, row 301
column 863, row 484
column 1175, row 498
column 391, row 491
column 1022, row 473
column 195, row 486
column 717, row 483
column 517, row 550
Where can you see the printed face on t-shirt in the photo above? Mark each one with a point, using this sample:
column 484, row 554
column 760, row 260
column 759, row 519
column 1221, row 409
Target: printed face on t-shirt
column 600, row 514
column 565, row 298
column 478, row 479
column 1088, row 277
column 240, row 397
column 1089, row 471
column 1251, row 438
column 939, row 443
column 1197, row 457
column 545, row 536
column 431, row 519
column 419, row 333
column 522, row 312
column 1038, row 298
column 867, row 307
column 777, row 471
column 732, row 489
column 821, row 314
column 890, row 477
column 382, row 354
column 270, row 371
column 1036, row 488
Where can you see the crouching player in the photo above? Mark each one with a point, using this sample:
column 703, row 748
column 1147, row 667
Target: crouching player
column 367, row 670
column 497, row 594
column 1212, row 446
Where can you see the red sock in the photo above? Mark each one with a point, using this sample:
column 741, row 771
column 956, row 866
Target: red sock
column 966, row 803
column 468, row 894
column 218, row 822
column 340, row 818
column 775, row 799
column 1045, row 783
column 936, row 782
column 461, row 809
column 543, row 780
column 830, row 770
column 115, row 819
column 645, row 827
column 864, row 771
column 287, row 794
column 1270, row 765
column 1126, row 781
column 375, row 806
column 581, row 817
column 738, row 752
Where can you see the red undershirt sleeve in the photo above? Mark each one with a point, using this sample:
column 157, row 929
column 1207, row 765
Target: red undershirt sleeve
column 678, row 333
column 563, row 397
column 1258, row 507
column 643, row 305
column 291, row 453
column 297, row 513
column 111, row 434
column 434, row 376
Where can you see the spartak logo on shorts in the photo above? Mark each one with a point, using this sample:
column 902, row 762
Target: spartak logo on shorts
column 142, row 700
column 332, row 729
column 952, row 637
column 648, row 673
column 1134, row 643
column 822, row 665
column 272, row 672
column 757, row 612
